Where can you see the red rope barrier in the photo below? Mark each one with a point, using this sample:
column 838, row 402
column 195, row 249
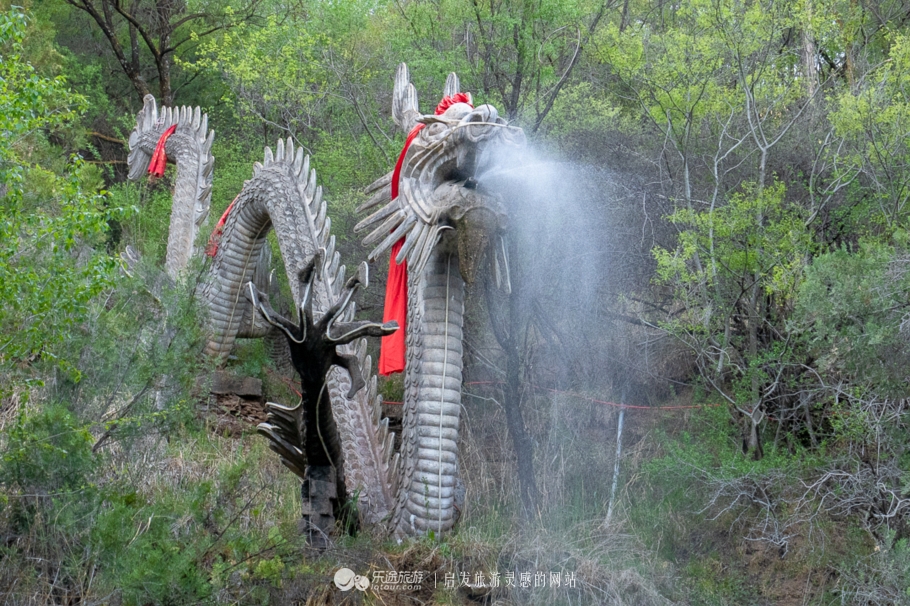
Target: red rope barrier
column 626, row 406
column 290, row 385
column 595, row 400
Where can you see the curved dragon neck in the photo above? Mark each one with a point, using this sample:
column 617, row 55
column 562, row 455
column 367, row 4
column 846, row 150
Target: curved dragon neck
column 181, row 235
column 429, row 465
column 283, row 195
column 189, row 147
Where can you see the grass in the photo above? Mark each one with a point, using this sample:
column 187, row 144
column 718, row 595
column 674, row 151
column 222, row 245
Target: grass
column 175, row 518
column 168, row 511
column 191, row 516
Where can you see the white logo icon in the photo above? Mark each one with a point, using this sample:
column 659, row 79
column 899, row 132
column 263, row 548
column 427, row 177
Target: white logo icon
column 345, row 579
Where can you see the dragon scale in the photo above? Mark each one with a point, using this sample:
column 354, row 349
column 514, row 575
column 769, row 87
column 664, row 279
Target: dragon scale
column 283, row 195
column 190, row 147
column 448, row 225
column 429, row 463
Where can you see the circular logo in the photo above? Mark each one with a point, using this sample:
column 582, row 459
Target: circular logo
column 345, row 579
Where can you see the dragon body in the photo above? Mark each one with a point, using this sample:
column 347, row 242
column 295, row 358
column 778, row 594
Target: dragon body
column 190, row 148
column 281, row 195
column 449, row 226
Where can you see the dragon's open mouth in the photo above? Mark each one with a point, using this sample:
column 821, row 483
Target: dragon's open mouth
column 440, row 191
column 450, row 145
column 475, row 213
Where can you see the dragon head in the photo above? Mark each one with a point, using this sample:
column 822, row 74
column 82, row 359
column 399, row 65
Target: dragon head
column 441, row 198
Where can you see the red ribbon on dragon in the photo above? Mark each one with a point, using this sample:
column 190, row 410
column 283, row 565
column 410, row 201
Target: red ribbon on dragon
column 159, row 157
column 156, row 168
column 393, row 349
column 212, row 246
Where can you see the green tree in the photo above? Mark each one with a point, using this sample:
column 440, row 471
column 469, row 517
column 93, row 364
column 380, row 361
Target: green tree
column 146, row 35
column 51, row 215
column 873, row 121
column 517, row 54
column 854, row 309
column 720, row 107
column 750, row 252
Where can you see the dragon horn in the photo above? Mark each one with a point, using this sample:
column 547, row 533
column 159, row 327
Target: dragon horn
column 452, row 85
column 404, row 100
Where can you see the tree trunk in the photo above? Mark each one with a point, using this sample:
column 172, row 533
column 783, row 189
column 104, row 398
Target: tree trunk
column 507, row 332
column 521, row 441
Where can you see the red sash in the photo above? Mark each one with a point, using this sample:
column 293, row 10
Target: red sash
column 212, row 247
column 392, row 351
column 159, row 157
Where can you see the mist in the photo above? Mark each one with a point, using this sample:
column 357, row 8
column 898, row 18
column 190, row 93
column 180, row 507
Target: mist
column 580, row 239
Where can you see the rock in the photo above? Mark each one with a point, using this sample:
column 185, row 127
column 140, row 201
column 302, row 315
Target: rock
column 224, row 383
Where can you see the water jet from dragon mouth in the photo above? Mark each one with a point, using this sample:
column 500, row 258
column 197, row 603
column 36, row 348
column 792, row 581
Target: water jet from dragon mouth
column 558, row 225
column 579, row 248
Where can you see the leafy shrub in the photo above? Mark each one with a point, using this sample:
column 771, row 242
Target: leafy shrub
column 852, row 308
column 47, row 452
column 51, row 215
column 880, row 578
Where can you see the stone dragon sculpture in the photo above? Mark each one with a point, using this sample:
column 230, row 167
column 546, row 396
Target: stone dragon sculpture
column 306, row 436
column 449, row 224
column 282, row 195
column 190, row 148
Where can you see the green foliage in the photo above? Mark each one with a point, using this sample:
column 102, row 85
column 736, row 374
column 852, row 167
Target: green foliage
column 48, row 452
column 515, row 55
column 176, row 543
column 677, row 74
column 252, row 358
column 755, row 235
column 880, row 577
column 136, row 359
column 873, row 121
column 49, row 221
column 270, row 570
column 188, row 541
column 150, row 549
column 737, row 266
column 715, row 449
column 278, row 66
column 695, row 72
column 579, row 110
column 710, row 586
column 850, row 307
column 147, row 229
column 309, row 93
column 235, row 159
